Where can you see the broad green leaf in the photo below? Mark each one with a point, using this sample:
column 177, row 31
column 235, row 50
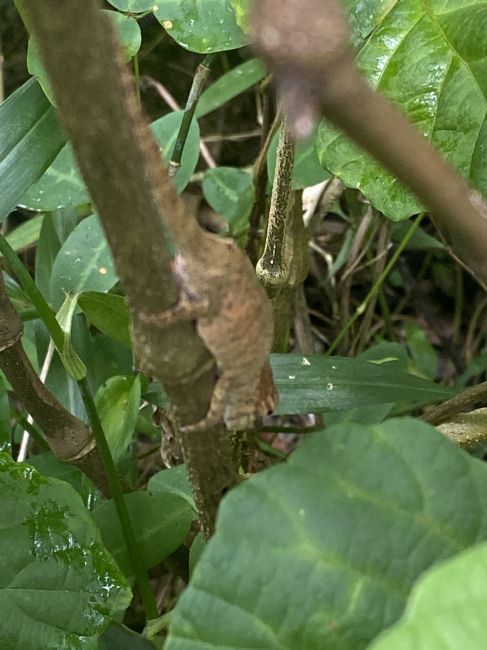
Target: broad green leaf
column 119, row 637
column 84, row 262
column 429, row 59
column 112, row 358
column 61, row 186
column 317, row 384
column 47, row 464
column 419, row 241
column 26, row 234
column 108, row 313
column 230, row 85
column 322, row 552
column 201, row 26
column 307, row 169
column 117, row 403
column 446, row 610
column 230, row 192
column 161, row 523
column 59, row 588
column 242, row 13
column 30, row 139
column 56, row 228
column 128, row 32
column 172, row 481
column 165, row 130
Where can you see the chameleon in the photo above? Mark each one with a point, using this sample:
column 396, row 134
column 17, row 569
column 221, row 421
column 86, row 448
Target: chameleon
column 219, row 291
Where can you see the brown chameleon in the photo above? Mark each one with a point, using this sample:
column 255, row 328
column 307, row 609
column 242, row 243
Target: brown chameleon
column 218, row 290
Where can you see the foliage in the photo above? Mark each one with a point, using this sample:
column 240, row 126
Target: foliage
column 371, row 520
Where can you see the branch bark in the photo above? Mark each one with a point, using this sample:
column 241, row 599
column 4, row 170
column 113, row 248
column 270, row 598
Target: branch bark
column 106, row 127
column 68, row 437
column 306, row 43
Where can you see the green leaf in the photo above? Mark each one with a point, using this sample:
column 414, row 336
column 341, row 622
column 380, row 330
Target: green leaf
column 26, row 234
column 133, row 6
column 84, row 262
column 117, row 403
column 128, row 32
column 56, row 228
column 108, row 313
column 172, row 481
column 424, row 356
column 230, row 192
column 119, row 637
column 58, row 585
column 322, row 552
column 446, row 610
column 70, row 358
column 61, row 186
column 317, row 384
column 230, row 85
column 201, row 26
column 30, row 139
column 429, row 59
column 161, row 524
column 307, row 170
column 165, row 131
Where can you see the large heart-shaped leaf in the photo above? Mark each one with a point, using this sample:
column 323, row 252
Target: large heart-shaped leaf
column 201, row 25
column 322, row 552
column 58, row 585
column 428, row 58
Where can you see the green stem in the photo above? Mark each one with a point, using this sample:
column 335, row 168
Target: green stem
column 120, row 505
column 199, row 80
column 44, row 312
column 376, row 286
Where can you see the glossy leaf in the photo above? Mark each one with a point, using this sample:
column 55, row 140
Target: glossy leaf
column 58, row 585
column 61, row 186
column 317, row 384
column 322, row 552
column 84, row 262
column 201, row 26
column 230, row 192
column 161, row 523
column 108, row 313
column 117, row 403
column 56, row 228
column 429, row 59
column 30, row 139
column 230, row 85
column 26, row 234
column 446, row 610
column 172, row 481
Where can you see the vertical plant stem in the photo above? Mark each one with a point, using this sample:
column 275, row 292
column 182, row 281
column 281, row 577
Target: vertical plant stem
column 199, row 80
column 120, row 505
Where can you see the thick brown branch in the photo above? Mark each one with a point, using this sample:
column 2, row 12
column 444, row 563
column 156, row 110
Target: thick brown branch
column 126, row 180
column 306, row 43
column 69, row 438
